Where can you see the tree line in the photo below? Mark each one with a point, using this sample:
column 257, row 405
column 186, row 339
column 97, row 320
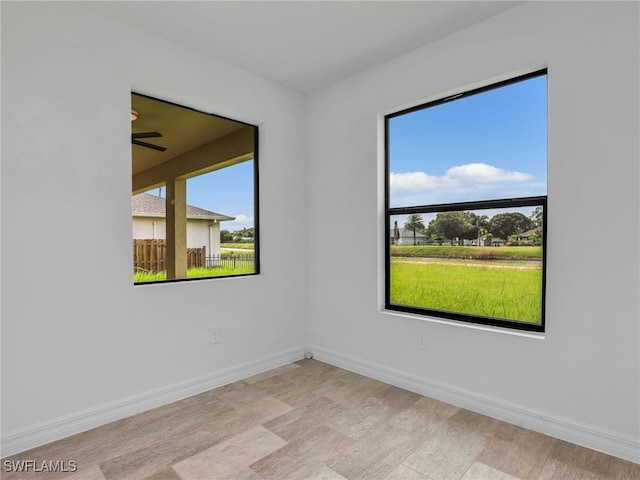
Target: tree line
column 460, row 226
column 237, row 236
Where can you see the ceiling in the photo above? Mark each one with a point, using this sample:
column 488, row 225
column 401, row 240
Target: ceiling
column 182, row 130
column 303, row 45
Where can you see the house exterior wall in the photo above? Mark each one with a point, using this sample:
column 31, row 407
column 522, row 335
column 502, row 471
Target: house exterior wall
column 408, row 240
column 199, row 232
column 143, row 227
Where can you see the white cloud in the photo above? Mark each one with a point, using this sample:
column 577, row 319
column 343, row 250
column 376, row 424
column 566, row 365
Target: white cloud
column 481, row 172
column 242, row 218
column 456, row 177
column 241, row 221
column 414, row 181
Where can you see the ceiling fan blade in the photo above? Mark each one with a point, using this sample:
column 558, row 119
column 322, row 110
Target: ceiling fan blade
column 146, row 135
column 148, row 145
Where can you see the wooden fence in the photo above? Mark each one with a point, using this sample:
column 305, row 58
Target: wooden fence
column 149, row 255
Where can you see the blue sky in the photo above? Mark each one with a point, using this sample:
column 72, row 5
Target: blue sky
column 486, row 146
column 228, row 191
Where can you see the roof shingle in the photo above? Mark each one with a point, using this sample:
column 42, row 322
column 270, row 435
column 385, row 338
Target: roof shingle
column 147, row 205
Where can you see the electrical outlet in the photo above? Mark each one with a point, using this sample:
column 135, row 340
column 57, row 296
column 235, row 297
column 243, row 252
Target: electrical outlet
column 422, row 341
column 214, row 335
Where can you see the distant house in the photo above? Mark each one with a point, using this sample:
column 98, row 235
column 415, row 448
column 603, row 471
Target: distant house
column 532, row 236
column 203, row 226
column 406, row 237
column 494, row 242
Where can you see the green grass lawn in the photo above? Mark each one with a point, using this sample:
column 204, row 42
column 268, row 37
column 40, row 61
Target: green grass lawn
column 505, row 290
column 482, row 253
column 243, row 246
column 194, row 273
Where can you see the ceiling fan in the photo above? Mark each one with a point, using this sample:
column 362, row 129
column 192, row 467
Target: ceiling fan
column 136, row 136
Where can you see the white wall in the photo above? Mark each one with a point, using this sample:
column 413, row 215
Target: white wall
column 80, row 343
column 582, row 380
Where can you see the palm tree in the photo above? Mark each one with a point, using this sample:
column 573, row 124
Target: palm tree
column 414, row 223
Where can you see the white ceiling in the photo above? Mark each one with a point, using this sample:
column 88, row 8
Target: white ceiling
column 304, row 45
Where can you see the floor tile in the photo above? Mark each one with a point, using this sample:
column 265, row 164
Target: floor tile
column 480, row 471
column 86, row 449
column 402, row 472
column 273, row 385
column 299, row 392
column 595, row 462
column 244, row 474
column 231, row 456
column 358, row 421
column 376, row 454
column 397, row 399
column 519, row 452
column 301, row 458
column 448, row 453
column 148, row 461
column 555, row 470
column 425, row 415
column 325, row 473
column 239, row 394
column 245, row 417
column 166, row 474
column 355, row 390
column 298, row 421
column 371, row 411
column 188, row 418
column 475, row 422
column 93, row 473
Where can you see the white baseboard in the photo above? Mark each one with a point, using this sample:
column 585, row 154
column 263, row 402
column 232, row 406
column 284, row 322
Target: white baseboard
column 578, row 433
column 61, row 427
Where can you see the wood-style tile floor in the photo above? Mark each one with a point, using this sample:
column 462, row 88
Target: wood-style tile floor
column 310, row 420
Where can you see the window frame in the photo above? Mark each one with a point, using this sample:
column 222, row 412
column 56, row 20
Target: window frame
column 256, row 195
column 389, row 212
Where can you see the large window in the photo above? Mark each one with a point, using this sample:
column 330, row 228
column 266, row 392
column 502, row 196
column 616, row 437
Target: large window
column 466, row 205
column 194, row 193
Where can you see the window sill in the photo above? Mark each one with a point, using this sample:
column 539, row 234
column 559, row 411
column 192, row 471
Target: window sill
column 474, row 326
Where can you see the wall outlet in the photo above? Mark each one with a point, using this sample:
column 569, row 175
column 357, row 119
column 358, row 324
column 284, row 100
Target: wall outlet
column 214, row 335
column 422, row 341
